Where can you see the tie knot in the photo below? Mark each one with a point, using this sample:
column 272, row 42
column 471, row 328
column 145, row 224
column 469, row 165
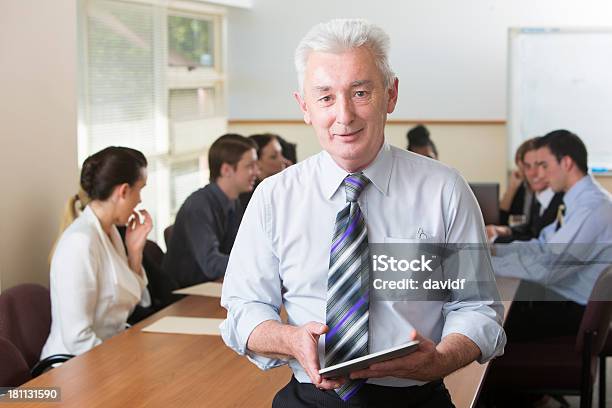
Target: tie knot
column 354, row 185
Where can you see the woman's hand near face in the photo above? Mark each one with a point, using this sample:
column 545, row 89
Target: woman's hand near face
column 516, row 178
column 136, row 237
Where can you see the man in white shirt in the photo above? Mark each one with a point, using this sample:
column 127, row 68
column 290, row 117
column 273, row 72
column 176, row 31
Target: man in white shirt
column 305, row 221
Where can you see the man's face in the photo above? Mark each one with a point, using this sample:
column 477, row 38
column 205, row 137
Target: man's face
column 533, row 173
column 347, row 104
column 551, row 170
column 244, row 175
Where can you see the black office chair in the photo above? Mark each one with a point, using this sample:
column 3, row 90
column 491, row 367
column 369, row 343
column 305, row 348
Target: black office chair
column 564, row 365
column 25, row 322
column 168, row 235
column 160, row 285
column 153, row 253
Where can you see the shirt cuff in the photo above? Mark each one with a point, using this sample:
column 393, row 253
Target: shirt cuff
column 487, row 333
column 236, row 329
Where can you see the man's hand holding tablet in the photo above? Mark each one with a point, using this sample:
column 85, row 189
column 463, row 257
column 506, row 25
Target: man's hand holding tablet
column 428, row 362
column 347, row 367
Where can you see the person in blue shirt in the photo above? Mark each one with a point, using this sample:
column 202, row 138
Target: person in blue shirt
column 568, row 256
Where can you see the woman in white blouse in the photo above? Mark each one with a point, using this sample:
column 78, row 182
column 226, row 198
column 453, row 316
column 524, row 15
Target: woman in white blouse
column 95, row 284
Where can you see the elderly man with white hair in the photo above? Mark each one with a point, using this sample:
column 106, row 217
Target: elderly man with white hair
column 304, row 244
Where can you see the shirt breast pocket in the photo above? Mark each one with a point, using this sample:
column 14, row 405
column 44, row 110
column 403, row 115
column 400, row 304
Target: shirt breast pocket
column 411, row 248
column 397, row 240
column 419, row 237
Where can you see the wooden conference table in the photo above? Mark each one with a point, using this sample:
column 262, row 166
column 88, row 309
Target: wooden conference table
column 137, row 369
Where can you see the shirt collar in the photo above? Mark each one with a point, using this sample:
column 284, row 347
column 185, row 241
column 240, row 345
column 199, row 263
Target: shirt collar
column 379, row 172
column 572, row 195
column 544, row 197
column 114, row 238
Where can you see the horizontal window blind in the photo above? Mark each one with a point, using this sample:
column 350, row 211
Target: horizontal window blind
column 123, row 55
column 189, row 104
column 137, row 91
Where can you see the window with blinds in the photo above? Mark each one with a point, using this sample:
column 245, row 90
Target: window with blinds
column 152, row 79
column 192, row 104
column 194, row 119
column 124, row 87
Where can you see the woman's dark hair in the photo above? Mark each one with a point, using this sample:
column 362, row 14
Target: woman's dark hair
column 110, row 167
column 262, row 140
column 289, row 149
column 418, row 136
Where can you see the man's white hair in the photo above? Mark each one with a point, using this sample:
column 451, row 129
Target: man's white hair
column 341, row 35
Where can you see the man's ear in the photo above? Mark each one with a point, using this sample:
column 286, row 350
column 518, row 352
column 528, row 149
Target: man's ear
column 567, row 163
column 226, row 170
column 303, row 107
column 393, row 91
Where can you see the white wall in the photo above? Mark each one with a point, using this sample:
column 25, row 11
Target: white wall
column 38, row 154
column 450, row 55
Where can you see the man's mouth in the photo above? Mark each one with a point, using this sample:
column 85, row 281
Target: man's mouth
column 348, row 134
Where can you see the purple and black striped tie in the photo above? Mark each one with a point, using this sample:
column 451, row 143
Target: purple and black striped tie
column 347, row 282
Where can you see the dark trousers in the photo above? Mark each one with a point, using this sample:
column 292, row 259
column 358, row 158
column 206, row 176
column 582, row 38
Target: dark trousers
column 430, row 395
column 532, row 321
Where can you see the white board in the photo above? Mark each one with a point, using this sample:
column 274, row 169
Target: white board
column 561, row 79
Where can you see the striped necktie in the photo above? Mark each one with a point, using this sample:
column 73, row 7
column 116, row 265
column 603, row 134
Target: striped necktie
column 347, row 301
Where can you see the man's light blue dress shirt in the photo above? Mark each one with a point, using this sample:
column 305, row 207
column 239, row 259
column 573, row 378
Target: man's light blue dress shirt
column 568, row 260
column 281, row 253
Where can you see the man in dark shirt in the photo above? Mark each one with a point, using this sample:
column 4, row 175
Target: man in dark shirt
column 207, row 222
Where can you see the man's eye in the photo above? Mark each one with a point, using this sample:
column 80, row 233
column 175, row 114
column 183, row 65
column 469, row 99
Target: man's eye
column 325, row 98
column 361, row 94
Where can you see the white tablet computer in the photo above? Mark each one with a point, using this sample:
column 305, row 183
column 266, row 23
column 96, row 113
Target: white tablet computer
column 359, row 363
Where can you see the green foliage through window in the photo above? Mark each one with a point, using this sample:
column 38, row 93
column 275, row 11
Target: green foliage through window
column 190, row 42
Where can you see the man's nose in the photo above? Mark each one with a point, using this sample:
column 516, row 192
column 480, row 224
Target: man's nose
column 344, row 111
